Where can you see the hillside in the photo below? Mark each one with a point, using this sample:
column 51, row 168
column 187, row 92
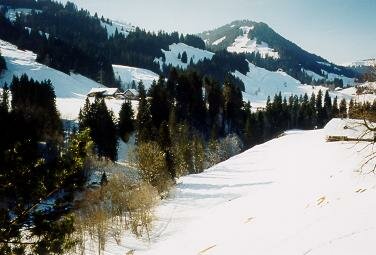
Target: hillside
column 266, row 48
column 70, row 90
column 24, row 62
column 296, row 203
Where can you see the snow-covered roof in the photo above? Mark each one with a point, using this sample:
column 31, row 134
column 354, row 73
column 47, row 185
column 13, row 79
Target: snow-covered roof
column 350, row 128
column 104, row 91
column 133, row 91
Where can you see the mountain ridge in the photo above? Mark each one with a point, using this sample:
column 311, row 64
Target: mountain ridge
column 266, row 48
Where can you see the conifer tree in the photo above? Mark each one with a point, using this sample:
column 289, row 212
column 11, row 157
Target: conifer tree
column 126, row 121
column 184, row 57
column 144, row 124
column 4, row 104
column 102, row 127
column 312, row 106
column 335, row 109
column 319, row 109
column 327, row 114
column 351, row 109
column 343, row 109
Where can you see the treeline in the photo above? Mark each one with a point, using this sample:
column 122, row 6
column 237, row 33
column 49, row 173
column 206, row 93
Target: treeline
column 222, row 65
column 182, row 126
column 365, row 110
column 40, row 171
column 295, row 112
column 86, row 48
column 56, row 53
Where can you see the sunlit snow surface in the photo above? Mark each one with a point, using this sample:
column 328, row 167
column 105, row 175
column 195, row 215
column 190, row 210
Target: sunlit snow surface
column 129, row 74
column 70, row 90
column 122, row 28
column 296, row 194
column 260, row 83
column 243, row 44
column 172, row 55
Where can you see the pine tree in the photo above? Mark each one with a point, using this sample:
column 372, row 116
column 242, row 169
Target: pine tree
column 312, row 106
column 159, row 103
column 343, row 109
column 126, row 121
column 351, row 109
column 335, row 109
column 184, row 57
column 102, row 127
column 144, row 124
column 327, row 114
column 319, row 109
column 4, row 104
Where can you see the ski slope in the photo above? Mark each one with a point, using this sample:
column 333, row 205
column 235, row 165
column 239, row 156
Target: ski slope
column 172, row 55
column 296, row 194
column 129, row 74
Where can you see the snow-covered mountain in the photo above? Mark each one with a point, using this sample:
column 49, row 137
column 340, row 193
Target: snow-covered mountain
column 313, row 198
column 260, row 83
column 366, row 62
column 258, row 41
column 243, row 43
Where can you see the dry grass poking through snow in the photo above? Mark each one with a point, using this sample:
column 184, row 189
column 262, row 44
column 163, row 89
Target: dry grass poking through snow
column 109, row 211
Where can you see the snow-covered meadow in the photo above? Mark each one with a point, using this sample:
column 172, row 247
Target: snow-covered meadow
column 314, row 197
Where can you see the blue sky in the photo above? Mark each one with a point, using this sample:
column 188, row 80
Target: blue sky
column 339, row 30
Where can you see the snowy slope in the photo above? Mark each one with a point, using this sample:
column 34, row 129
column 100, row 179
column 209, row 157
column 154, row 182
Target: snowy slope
column 310, row 199
column 260, row 83
column 172, row 55
column 219, row 40
column 122, row 28
column 129, row 74
column 347, row 82
column 70, row 89
column 366, row 62
column 20, row 62
column 243, row 44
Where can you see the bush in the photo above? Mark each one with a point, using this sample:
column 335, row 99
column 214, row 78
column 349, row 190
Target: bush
column 120, row 205
column 150, row 160
column 223, row 149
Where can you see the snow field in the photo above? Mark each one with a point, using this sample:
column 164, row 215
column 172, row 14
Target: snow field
column 128, row 74
column 309, row 199
column 243, row 44
column 193, row 53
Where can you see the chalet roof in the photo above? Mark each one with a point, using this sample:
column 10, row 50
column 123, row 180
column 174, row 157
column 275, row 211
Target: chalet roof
column 133, row 91
column 104, row 91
